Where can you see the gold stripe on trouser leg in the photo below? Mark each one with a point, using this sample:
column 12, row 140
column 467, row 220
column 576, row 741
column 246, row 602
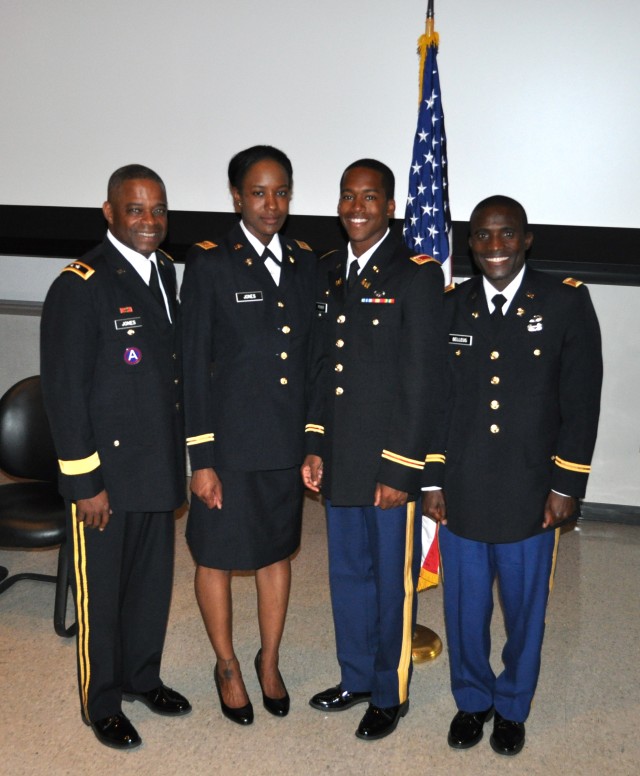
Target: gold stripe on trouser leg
column 554, row 561
column 407, row 614
column 441, row 565
column 82, row 606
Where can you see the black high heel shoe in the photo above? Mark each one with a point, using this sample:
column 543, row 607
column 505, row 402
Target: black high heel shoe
column 242, row 715
column 279, row 707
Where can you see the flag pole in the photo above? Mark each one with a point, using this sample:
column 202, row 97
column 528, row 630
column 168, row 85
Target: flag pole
column 426, row 645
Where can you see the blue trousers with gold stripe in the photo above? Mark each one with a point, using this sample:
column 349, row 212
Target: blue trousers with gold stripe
column 121, row 580
column 374, row 558
column 525, row 573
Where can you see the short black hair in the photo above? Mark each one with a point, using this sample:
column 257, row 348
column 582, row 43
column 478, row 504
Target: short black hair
column 243, row 160
column 132, row 172
column 502, row 201
column 388, row 178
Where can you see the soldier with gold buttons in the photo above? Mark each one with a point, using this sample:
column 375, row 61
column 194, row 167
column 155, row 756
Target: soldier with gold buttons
column 248, row 303
column 378, row 367
column 110, row 370
column 511, row 460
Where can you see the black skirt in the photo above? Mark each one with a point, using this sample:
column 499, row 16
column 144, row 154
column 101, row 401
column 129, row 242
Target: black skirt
column 259, row 523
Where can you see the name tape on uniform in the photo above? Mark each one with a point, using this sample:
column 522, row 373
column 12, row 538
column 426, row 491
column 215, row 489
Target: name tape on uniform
column 461, row 339
column 127, row 323
column 249, row 296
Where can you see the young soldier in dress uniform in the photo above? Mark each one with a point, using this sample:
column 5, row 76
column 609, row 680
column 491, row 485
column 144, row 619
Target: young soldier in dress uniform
column 378, row 365
column 111, row 384
column 512, row 457
column 248, row 303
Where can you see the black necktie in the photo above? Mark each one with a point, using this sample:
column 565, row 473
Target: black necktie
column 498, row 300
column 275, row 268
column 352, row 277
column 268, row 255
column 154, row 284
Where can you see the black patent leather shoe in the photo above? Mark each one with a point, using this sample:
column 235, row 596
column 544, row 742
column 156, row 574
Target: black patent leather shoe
column 378, row 722
column 337, row 699
column 243, row 715
column 507, row 737
column 279, row 707
column 116, row 731
column 162, row 700
column 466, row 728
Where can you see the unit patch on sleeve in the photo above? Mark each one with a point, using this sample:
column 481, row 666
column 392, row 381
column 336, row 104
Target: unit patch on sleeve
column 132, row 356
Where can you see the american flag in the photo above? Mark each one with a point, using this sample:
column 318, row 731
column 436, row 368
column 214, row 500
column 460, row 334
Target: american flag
column 427, row 222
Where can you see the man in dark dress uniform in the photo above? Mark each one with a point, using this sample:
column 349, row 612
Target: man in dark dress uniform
column 111, row 383
column 512, row 457
column 377, row 366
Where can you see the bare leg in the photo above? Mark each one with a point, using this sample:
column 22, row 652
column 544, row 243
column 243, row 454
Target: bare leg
column 273, row 584
column 213, row 593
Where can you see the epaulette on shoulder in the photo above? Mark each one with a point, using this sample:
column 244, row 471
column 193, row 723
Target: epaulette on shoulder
column 305, row 246
column 80, row 268
column 422, row 258
column 330, row 253
column 572, row 282
column 207, row 245
column 164, row 253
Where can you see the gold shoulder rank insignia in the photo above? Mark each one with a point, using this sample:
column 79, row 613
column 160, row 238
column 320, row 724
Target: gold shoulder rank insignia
column 325, row 255
column 164, row 253
column 572, row 282
column 80, row 268
column 422, row 258
column 303, row 245
column 207, row 245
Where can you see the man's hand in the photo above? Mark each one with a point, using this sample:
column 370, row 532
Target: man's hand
column 434, row 506
column 311, row 471
column 94, row 512
column 558, row 508
column 206, row 485
column 387, row 498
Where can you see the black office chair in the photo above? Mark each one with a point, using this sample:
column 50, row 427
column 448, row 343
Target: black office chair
column 32, row 514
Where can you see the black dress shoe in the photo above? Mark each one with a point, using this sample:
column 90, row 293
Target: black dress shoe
column 466, row 728
column 337, row 699
column 243, row 715
column 378, row 722
column 116, row 731
column 279, row 707
column 162, row 700
column 507, row 737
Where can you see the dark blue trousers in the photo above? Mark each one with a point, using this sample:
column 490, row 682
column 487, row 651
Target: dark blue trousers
column 374, row 558
column 525, row 574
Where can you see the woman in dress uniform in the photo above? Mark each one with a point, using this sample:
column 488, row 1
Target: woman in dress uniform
column 248, row 305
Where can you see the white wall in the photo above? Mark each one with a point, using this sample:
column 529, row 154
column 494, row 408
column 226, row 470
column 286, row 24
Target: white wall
column 541, row 98
column 615, row 474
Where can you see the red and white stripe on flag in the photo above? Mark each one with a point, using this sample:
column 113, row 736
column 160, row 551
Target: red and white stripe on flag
column 430, row 562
